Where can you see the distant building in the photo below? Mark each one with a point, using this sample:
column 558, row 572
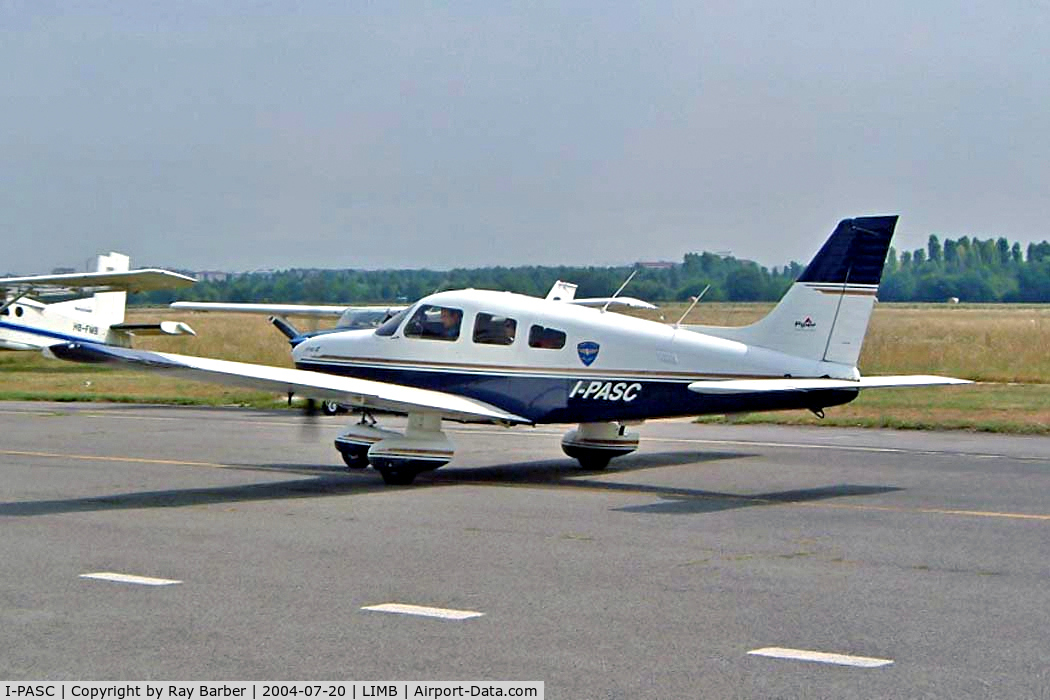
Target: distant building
column 212, row 276
column 657, row 265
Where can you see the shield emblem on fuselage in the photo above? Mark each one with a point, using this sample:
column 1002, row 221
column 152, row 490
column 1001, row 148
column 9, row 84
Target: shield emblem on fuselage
column 588, row 352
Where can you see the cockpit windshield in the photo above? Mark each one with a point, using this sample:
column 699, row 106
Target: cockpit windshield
column 356, row 319
column 390, row 326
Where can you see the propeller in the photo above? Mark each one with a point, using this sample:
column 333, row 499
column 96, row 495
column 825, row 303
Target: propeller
column 310, row 429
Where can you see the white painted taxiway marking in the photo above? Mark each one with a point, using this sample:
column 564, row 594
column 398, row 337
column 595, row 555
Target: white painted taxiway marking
column 422, row 611
column 127, row 578
column 820, row 657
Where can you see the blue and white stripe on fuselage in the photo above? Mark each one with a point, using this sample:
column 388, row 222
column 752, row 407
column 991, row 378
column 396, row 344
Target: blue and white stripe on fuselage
column 632, row 369
column 577, row 399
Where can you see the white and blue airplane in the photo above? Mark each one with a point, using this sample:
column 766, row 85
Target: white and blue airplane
column 27, row 323
column 352, row 317
column 497, row 357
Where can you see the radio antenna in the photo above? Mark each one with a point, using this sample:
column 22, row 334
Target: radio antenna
column 696, row 300
column 622, row 286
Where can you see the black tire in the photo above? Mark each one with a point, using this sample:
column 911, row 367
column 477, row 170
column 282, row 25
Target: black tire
column 355, row 460
column 398, row 477
column 595, row 461
column 330, row 408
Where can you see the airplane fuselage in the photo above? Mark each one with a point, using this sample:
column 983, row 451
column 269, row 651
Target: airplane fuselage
column 553, row 362
column 28, row 324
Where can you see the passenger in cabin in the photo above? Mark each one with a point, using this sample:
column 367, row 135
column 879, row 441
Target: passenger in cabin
column 434, row 323
column 450, row 323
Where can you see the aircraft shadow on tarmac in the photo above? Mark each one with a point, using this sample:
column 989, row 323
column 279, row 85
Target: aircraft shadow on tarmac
column 325, row 481
column 674, row 500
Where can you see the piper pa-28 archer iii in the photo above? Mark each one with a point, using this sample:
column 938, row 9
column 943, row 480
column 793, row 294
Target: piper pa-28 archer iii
column 26, row 323
column 499, row 357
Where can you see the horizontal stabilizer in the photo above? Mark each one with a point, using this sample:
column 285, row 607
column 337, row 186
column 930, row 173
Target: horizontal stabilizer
column 317, row 385
column 758, row 386
column 162, row 328
column 131, row 281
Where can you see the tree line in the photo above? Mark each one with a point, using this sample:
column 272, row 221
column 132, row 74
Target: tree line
column 969, row 269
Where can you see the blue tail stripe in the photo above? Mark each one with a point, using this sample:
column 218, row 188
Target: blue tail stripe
column 855, row 253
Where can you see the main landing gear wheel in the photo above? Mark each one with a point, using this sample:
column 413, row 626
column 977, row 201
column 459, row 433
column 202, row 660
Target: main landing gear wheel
column 330, row 408
column 593, row 445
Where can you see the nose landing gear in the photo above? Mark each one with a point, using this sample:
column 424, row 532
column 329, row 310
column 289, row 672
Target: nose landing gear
column 398, row 457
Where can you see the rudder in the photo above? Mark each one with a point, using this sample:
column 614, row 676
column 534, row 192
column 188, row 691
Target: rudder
column 109, row 306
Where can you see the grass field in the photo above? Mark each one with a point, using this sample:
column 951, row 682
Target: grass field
column 1002, row 346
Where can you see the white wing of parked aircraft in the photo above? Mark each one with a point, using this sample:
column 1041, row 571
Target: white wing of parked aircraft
column 143, row 280
column 278, row 309
column 560, row 291
column 476, row 355
column 349, row 317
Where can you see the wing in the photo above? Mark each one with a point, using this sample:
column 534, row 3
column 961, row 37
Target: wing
column 566, row 292
column 613, row 301
column 758, row 386
column 279, row 309
column 142, row 280
column 358, row 392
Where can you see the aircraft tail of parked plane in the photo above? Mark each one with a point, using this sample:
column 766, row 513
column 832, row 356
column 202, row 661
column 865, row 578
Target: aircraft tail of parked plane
column 109, row 307
column 28, row 323
column 484, row 356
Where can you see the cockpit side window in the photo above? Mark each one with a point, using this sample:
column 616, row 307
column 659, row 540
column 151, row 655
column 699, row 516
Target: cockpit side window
column 389, row 327
column 549, row 338
column 434, row 323
column 494, row 330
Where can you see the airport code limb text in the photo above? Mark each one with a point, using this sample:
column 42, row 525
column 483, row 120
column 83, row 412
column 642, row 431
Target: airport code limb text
column 267, row 690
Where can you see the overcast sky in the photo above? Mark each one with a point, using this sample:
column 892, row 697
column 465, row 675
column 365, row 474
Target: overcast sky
column 239, row 135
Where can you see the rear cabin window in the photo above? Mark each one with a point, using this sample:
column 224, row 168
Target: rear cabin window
column 549, row 338
column 494, row 330
column 434, row 323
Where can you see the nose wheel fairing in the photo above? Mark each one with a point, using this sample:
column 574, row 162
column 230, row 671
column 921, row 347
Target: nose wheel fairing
column 398, row 457
column 355, row 442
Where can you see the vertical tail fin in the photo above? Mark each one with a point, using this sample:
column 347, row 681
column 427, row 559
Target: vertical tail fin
column 109, row 306
column 825, row 313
